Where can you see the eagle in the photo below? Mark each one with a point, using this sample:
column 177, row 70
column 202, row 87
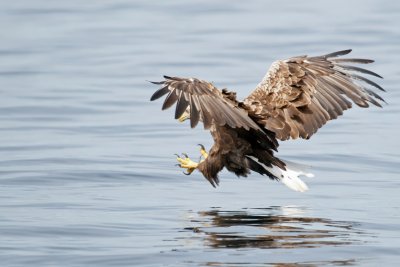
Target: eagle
column 296, row 97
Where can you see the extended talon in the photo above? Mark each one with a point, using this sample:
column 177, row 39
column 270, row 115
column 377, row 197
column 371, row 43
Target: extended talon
column 186, row 163
column 203, row 151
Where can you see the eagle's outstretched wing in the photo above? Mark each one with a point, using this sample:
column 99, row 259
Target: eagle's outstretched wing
column 206, row 103
column 300, row 94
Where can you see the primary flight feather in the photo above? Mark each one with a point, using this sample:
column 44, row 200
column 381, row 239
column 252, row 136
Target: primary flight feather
column 296, row 97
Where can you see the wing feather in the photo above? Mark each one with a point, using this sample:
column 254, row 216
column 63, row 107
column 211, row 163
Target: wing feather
column 358, row 69
column 171, row 98
column 206, row 102
column 194, row 111
column 361, row 78
column 182, row 104
column 299, row 95
column 338, row 53
column 352, row 60
column 159, row 93
column 206, row 116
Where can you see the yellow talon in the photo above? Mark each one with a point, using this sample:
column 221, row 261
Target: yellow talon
column 187, row 164
column 203, row 151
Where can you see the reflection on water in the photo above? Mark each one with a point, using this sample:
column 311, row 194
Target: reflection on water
column 350, row 262
column 264, row 228
column 273, row 228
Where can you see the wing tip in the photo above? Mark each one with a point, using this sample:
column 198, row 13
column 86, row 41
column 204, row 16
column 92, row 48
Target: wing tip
column 338, row 53
column 172, row 78
column 155, row 82
column 159, row 93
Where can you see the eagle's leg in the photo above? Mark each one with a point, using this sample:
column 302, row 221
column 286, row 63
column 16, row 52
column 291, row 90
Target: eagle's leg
column 187, row 164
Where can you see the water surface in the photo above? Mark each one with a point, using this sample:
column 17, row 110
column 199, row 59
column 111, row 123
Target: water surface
column 87, row 175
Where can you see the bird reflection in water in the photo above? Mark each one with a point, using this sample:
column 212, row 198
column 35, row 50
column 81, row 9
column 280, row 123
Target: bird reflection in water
column 271, row 228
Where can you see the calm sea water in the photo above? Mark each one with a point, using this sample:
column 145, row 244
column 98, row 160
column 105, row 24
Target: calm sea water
column 87, row 175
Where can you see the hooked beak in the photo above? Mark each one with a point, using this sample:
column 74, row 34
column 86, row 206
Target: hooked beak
column 184, row 116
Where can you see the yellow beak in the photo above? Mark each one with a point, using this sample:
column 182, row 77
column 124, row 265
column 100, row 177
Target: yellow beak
column 184, row 116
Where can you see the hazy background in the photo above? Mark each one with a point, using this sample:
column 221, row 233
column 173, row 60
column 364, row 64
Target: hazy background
column 87, row 175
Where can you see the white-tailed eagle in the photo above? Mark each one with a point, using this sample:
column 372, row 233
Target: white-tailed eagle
column 296, row 97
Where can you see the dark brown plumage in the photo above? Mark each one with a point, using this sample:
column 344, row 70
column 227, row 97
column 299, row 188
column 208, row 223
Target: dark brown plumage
column 296, row 97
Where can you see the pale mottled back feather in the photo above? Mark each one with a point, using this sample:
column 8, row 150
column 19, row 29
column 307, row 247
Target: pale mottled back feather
column 299, row 95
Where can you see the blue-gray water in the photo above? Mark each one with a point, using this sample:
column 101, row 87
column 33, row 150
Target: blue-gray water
column 87, row 175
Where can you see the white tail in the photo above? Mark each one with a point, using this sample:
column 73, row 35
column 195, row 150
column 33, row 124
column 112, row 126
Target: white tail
column 290, row 176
